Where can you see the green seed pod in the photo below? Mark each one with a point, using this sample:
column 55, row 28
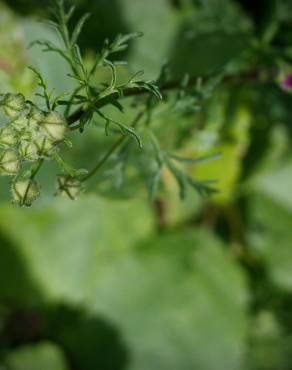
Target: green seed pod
column 20, row 123
column 25, row 192
column 28, row 150
column 45, row 146
column 26, row 134
column 69, row 187
column 35, row 117
column 8, row 136
column 13, row 105
column 54, row 125
column 9, row 162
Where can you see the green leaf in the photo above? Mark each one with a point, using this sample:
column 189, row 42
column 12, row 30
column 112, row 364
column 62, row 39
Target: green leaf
column 276, row 184
column 78, row 57
column 113, row 75
column 195, row 160
column 43, row 84
column 43, row 355
column 70, row 232
column 48, row 46
column 149, row 16
column 126, row 130
column 78, row 28
column 154, row 183
column 173, row 291
column 70, row 13
column 149, row 86
column 180, row 177
column 270, row 211
column 67, row 168
column 131, row 131
column 120, row 43
column 167, row 295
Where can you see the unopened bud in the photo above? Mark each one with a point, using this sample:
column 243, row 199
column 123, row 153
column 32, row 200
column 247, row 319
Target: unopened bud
column 13, row 105
column 54, row 125
column 45, row 146
column 20, row 123
column 35, row 117
column 8, row 136
column 26, row 134
column 69, row 187
column 25, row 192
column 9, row 162
column 28, row 150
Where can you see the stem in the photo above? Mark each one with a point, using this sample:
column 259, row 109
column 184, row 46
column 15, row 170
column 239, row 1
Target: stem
column 112, row 149
column 31, row 178
column 36, row 169
column 167, row 86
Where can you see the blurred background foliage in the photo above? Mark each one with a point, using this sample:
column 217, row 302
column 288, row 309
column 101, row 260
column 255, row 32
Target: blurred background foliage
column 112, row 282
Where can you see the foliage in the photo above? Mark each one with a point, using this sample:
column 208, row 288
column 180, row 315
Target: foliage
column 190, row 280
column 35, row 133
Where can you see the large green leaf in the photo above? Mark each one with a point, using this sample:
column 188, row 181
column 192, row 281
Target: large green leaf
column 270, row 237
column 35, row 357
column 157, row 20
column 65, row 243
column 270, row 219
column 276, row 184
column 173, row 303
column 172, row 298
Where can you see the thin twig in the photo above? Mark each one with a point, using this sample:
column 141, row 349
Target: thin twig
column 112, row 149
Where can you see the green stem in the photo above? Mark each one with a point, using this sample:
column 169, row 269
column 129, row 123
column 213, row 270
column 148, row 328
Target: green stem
column 111, row 150
column 36, row 169
column 31, row 178
column 167, row 86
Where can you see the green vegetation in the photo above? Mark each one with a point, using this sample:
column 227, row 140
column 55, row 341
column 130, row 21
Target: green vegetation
column 145, row 217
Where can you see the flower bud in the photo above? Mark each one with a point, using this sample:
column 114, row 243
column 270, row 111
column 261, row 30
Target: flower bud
column 45, row 146
column 26, row 134
column 25, row 192
column 35, row 117
column 13, row 105
column 28, row 150
column 54, row 125
column 8, row 136
column 69, row 187
column 9, row 162
column 20, row 123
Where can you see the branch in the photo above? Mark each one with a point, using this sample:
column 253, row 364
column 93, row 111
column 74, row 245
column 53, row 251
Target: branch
column 168, row 86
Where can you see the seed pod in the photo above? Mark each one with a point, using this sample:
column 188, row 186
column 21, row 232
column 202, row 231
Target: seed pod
column 54, row 126
column 45, row 146
column 69, row 187
column 9, row 162
column 35, row 117
column 26, row 134
column 8, row 136
column 25, row 192
column 13, row 105
column 28, row 150
column 20, row 123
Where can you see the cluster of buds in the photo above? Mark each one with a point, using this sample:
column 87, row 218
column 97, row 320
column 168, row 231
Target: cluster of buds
column 29, row 135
